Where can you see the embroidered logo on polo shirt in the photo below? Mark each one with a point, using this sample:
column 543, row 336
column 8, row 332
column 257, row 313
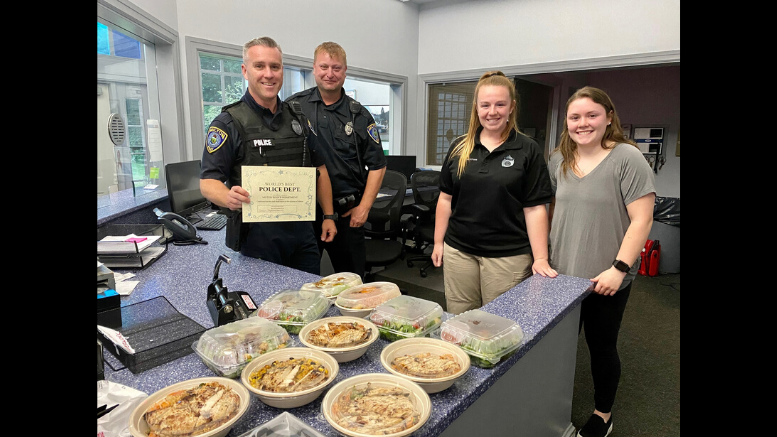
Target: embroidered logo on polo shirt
column 215, row 139
column 508, row 161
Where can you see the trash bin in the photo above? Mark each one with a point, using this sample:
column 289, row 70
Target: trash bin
column 666, row 229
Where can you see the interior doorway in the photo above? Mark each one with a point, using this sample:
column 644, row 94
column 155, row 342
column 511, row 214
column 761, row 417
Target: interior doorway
column 534, row 117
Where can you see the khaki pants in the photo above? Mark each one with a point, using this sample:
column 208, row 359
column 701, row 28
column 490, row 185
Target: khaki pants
column 473, row 281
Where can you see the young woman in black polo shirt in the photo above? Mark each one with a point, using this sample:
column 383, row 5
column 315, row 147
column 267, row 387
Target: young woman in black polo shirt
column 491, row 220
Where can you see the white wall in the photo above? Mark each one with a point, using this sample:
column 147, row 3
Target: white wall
column 484, row 34
column 163, row 10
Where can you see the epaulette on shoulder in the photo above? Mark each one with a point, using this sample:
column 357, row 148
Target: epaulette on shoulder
column 224, row 108
column 355, row 106
column 303, row 93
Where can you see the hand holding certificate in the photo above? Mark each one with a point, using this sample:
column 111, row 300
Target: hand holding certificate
column 279, row 194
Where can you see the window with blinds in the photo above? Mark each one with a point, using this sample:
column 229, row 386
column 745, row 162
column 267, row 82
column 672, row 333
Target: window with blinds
column 449, row 109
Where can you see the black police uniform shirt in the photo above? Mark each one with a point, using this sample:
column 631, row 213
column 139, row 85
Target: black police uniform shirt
column 330, row 124
column 487, row 201
column 224, row 148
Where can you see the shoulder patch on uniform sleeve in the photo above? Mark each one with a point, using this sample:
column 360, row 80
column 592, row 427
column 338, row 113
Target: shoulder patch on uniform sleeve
column 215, row 139
column 311, row 128
column 373, row 131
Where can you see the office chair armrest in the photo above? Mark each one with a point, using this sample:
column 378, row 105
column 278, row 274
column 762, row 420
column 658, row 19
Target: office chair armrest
column 416, row 209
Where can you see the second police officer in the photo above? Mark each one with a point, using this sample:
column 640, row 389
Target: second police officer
column 353, row 153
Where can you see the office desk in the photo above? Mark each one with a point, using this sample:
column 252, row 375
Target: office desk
column 529, row 394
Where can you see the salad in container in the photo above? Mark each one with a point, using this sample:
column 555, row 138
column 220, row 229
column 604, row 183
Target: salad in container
column 486, row 338
column 406, row 317
column 332, row 285
column 228, row 348
column 360, row 300
column 293, row 309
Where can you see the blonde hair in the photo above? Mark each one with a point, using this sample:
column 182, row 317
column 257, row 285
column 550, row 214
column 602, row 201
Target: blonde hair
column 613, row 133
column 265, row 41
column 467, row 144
column 333, row 49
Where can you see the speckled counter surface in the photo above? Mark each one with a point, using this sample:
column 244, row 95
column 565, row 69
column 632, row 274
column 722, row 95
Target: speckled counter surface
column 183, row 274
column 125, row 204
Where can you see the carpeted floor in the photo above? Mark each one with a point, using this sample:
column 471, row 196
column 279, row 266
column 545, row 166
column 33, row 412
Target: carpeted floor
column 648, row 400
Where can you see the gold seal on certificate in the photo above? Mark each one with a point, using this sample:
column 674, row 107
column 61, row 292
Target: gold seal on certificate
column 279, row 194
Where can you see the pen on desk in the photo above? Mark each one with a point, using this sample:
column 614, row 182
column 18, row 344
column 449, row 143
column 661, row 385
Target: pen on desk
column 104, row 412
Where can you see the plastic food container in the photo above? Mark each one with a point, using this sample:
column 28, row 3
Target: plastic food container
column 228, row 348
column 331, row 405
column 332, row 285
column 138, row 427
column 487, row 338
column 292, row 399
column 360, row 300
column 432, row 377
column 284, row 425
column 294, row 309
column 342, row 354
column 406, row 317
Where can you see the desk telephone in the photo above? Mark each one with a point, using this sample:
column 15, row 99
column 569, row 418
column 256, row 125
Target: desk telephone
column 184, row 233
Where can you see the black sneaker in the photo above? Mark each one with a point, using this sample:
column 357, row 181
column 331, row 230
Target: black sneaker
column 596, row 427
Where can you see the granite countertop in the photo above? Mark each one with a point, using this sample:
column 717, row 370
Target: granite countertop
column 183, row 274
column 111, row 206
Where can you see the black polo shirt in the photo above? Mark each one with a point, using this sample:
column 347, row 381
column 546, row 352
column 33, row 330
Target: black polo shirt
column 218, row 165
column 488, row 200
column 340, row 148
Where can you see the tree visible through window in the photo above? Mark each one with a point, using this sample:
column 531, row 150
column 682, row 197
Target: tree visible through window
column 222, row 84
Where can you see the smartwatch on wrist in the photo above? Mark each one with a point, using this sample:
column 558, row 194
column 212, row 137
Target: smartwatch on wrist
column 330, row 216
column 620, row 265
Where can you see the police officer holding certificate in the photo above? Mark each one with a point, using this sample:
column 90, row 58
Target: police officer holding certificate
column 354, row 156
column 260, row 129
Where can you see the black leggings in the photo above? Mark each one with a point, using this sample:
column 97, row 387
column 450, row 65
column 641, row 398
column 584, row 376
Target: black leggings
column 601, row 317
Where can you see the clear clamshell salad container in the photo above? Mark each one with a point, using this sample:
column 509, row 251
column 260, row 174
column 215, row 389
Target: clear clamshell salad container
column 293, row 309
column 332, row 285
column 487, row 338
column 228, row 348
column 406, row 317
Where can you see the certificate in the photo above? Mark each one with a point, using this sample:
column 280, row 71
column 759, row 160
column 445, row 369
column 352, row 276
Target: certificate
column 279, row 194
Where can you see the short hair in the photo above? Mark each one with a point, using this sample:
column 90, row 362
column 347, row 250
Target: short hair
column 265, row 41
column 333, row 49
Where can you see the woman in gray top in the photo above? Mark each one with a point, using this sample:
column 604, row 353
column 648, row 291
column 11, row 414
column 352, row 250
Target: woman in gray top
column 601, row 216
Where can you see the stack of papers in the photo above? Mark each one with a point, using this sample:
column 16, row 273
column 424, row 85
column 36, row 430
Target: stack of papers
column 126, row 243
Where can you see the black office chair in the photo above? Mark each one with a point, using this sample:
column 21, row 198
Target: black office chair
column 420, row 226
column 385, row 234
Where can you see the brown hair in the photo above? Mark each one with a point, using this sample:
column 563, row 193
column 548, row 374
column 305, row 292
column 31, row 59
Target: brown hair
column 333, row 49
column 613, row 133
column 464, row 148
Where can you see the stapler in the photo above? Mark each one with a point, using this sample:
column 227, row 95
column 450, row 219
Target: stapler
column 227, row 306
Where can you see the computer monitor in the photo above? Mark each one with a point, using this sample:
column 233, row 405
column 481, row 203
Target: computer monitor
column 183, row 187
column 404, row 164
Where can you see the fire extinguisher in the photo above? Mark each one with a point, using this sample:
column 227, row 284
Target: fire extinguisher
column 644, row 264
column 654, row 256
